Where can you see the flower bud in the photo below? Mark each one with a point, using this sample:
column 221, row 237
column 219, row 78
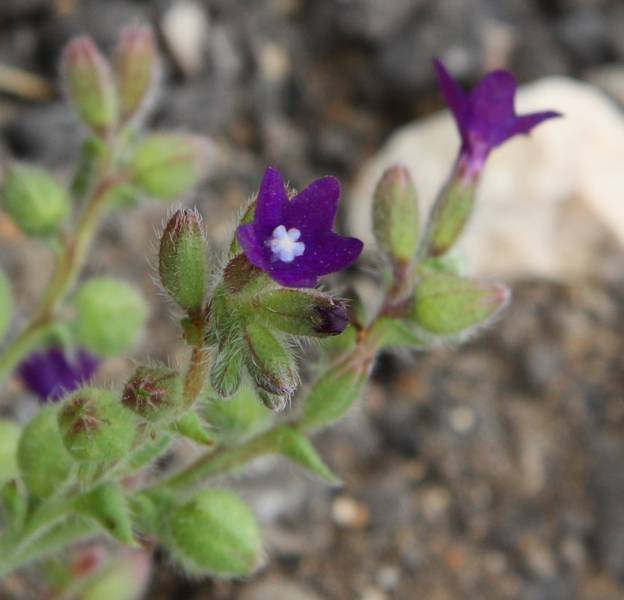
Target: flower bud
column 110, row 315
column 215, row 533
column 449, row 216
column 136, row 69
column 154, row 393
column 44, row 463
column 445, row 304
column 6, row 304
column 396, row 219
column 90, row 84
column 167, row 165
column 95, row 426
column 34, row 200
column 270, row 364
column 9, row 437
column 302, row 313
column 182, row 259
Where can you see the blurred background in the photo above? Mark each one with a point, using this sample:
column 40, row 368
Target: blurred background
column 489, row 472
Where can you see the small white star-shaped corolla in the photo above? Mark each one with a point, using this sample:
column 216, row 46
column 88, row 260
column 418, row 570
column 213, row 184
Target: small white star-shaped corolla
column 284, row 244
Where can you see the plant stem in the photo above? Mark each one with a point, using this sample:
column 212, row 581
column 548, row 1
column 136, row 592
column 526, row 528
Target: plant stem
column 67, row 270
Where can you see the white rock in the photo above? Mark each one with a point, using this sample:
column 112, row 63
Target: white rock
column 185, row 29
column 531, row 186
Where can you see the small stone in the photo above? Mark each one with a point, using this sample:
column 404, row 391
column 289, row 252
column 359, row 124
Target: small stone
column 350, row 513
column 462, row 419
column 185, row 29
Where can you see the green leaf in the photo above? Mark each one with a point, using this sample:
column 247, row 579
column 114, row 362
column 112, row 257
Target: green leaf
column 191, row 427
column 394, row 332
column 14, row 503
column 107, row 505
column 9, row 439
column 296, row 447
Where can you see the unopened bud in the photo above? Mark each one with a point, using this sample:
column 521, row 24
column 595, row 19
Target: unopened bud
column 302, row 313
column 215, row 533
column 6, row 304
column 110, row 315
column 396, row 219
column 154, row 393
column 270, row 365
column 167, row 165
column 445, row 304
column 44, row 463
column 90, row 84
column 136, row 69
column 95, row 426
column 35, row 201
column 182, row 259
column 449, row 216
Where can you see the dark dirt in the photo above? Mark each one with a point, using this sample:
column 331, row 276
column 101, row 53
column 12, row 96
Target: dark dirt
column 489, row 472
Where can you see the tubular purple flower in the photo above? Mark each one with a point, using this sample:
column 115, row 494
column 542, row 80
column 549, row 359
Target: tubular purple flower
column 485, row 116
column 51, row 373
column 292, row 239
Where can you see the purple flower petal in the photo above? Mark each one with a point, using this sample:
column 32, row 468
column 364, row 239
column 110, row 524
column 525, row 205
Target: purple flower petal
column 50, row 373
column 292, row 240
column 313, row 210
column 485, row 117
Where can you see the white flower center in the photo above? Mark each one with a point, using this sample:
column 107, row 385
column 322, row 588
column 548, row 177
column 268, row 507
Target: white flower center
column 284, row 244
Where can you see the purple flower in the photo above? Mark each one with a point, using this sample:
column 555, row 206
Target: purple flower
column 51, row 373
column 292, row 240
column 485, row 116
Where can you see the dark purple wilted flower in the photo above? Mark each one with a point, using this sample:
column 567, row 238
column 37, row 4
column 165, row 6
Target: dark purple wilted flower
column 292, row 240
column 51, row 373
column 485, row 116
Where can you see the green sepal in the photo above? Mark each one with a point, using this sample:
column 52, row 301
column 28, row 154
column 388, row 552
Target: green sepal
column 9, row 439
column 107, row 505
column 110, row 315
column 396, row 217
column 44, row 463
column 6, row 304
column 34, row 200
column 191, row 426
column 301, row 313
column 226, row 371
column 296, row 447
column 14, row 503
column 215, row 533
column 269, row 363
column 449, row 216
column 333, row 393
column 445, row 304
column 247, row 217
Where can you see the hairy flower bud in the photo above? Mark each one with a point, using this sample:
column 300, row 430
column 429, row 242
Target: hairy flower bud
column 270, row 365
column 449, row 216
column 110, row 315
column 445, row 304
column 90, row 84
column 182, row 259
column 9, row 436
column 95, row 426
column 396, row 219
column 136, row 69
column 6, row 304
column 215, row 533
column 34, row 200
column 44, row 463
column 302, row 313
column 167, row 165
column 154, row 393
